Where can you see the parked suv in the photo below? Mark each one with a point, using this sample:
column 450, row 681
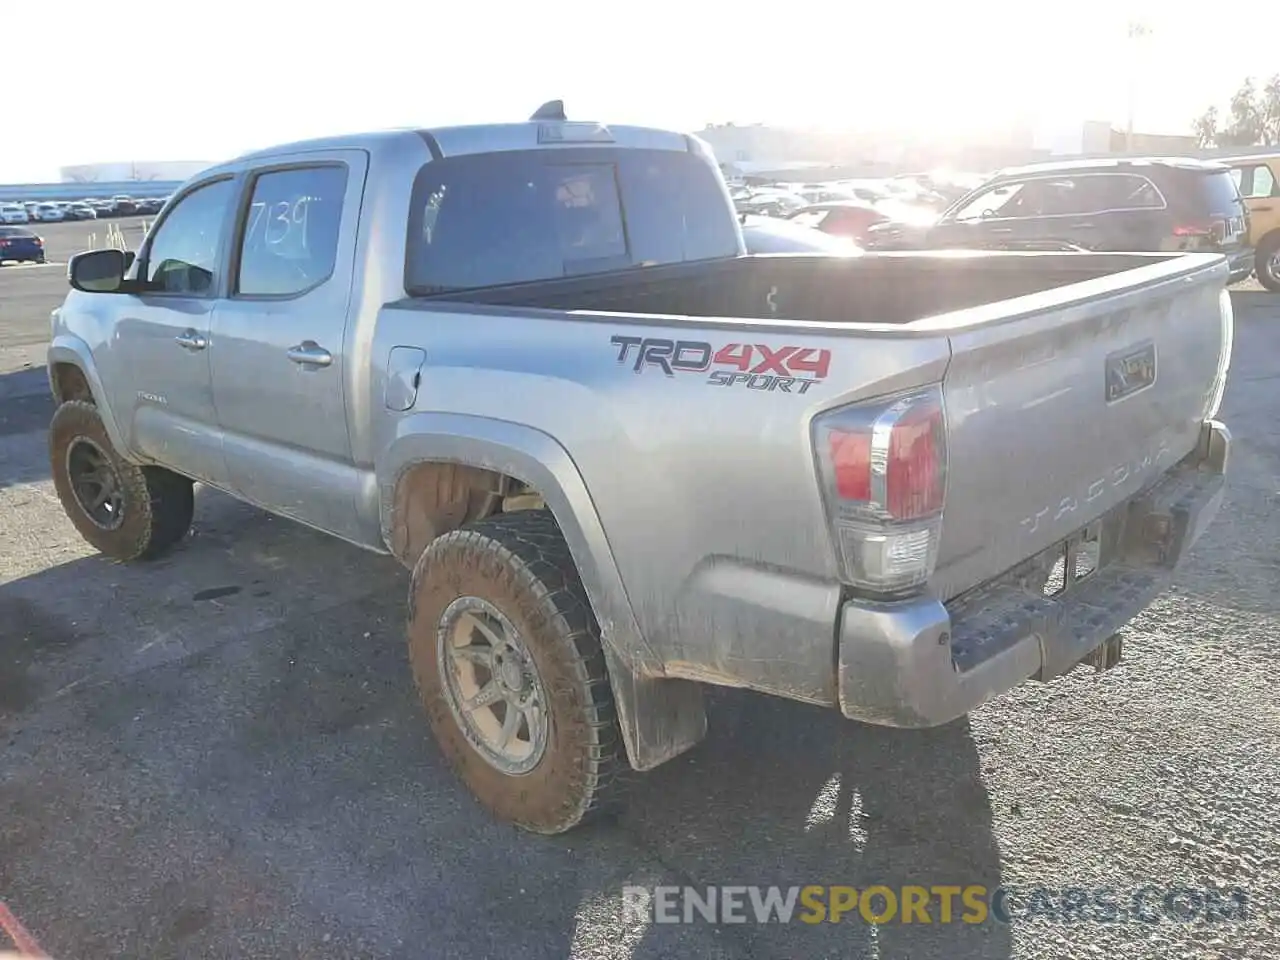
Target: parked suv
column 1107, row 205
column 1258, row 179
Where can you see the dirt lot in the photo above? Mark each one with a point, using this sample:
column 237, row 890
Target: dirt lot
column 221, row 755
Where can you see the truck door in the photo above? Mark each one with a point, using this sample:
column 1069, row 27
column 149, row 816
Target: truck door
column 279, row 363
column 158, row 349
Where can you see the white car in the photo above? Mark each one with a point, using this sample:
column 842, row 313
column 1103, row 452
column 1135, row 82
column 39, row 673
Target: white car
column 13, row 213
column 49, row 212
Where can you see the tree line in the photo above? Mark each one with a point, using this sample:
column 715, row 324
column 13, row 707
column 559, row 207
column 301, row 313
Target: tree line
column 1252, row 118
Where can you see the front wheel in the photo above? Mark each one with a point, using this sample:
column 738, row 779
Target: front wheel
column 125, row 511
column 506, row 654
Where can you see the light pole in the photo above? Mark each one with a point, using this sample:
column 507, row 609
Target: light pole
column 1137, row 31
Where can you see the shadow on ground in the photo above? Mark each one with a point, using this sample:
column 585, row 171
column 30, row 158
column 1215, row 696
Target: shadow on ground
column 25, row 408
column 221, row 754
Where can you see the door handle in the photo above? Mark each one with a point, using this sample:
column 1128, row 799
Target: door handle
column 1083, row 226
column 191, row 340
column 1266, row 209
column 1001, row 230
column 310, row 354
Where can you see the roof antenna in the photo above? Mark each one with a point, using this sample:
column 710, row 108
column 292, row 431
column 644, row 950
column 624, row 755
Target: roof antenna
column 551, row 110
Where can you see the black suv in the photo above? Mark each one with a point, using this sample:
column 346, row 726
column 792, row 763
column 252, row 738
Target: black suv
column 1119, row 205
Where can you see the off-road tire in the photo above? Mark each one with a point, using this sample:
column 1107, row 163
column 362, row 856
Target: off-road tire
column 1264, row 254
column 158, row 504
column 520, row 564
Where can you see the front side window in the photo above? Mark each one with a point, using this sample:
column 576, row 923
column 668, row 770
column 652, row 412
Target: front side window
column 183, row 253
column 1255, row 182
column 997, row 201
column 1264, row 183
column 289, row 240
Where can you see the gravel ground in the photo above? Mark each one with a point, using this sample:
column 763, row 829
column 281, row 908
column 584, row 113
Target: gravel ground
column 220, row 755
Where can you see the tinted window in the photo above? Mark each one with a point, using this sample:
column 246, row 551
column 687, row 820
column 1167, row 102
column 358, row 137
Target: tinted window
column 1098, row 193
column 1218, row 190
column 997, row 201
column 15, row 232
column 290, row 238
column 183, row 253
column 534, row 215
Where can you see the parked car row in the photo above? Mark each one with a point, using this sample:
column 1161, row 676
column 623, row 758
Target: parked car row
column 90, row 208
column 1118, row 204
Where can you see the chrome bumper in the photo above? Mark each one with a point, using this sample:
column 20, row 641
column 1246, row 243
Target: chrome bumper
column 922, row 663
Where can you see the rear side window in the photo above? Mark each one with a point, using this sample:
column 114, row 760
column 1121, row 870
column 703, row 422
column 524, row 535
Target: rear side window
column 492, row 219
column 289, row 240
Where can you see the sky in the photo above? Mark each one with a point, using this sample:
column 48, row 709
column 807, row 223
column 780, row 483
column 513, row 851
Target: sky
column 164, row 80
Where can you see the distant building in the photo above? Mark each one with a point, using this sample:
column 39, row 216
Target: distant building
column 1095, row 138
column 132, row 170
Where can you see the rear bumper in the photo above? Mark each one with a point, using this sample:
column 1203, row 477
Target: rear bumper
column 1241, row 264
column 922, row 663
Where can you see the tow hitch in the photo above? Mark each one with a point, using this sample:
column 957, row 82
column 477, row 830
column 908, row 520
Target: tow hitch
column 1107, row 654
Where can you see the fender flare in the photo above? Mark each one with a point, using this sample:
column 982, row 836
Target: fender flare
column 660, row 718
column 74, row 351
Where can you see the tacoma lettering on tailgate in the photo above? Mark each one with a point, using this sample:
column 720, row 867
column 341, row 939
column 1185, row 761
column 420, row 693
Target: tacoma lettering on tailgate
column 756, row 366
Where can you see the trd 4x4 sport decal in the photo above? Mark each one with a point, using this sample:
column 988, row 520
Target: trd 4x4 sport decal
column 756, row 366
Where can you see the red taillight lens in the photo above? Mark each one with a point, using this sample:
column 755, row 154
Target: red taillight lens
column 850, row 455
column 913, row 476
column 1194, row 230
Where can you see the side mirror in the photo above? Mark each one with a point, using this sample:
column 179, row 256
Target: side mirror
column 98, row 271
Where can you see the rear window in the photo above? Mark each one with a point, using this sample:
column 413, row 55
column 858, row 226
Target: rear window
column 492, row 219
column 15, row 232
column 1218, row 190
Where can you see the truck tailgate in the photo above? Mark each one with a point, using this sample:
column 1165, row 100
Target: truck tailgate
column 1071, row 407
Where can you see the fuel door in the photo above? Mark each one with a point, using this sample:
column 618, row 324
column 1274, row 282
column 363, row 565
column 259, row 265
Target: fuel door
column 404, row 376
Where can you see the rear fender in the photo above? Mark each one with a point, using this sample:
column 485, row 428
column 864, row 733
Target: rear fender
column 660, row 718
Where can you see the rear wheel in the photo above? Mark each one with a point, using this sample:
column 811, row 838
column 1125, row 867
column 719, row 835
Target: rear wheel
column 506, row 654
column 1267, row 262
column 125, row 511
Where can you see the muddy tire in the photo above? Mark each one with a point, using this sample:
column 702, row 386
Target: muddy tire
column 1267, row 262
column 125, row 511
column 506, row 654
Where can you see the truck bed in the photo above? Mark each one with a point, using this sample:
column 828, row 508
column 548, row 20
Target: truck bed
column 701, row 463
column 895, row 288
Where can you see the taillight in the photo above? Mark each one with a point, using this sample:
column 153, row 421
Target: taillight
column 883, row 466
column 1196, row 230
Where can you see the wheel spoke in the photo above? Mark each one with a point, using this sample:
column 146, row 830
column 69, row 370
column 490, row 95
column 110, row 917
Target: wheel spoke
column 101, row 497
column 477, row 653
column 494, row 638
column 510, row 725
column 486, row 696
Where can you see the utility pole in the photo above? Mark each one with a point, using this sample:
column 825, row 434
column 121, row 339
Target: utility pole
column 1137, row 31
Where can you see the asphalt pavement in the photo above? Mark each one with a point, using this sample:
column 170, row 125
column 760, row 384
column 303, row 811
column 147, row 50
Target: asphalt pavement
column 221, row 754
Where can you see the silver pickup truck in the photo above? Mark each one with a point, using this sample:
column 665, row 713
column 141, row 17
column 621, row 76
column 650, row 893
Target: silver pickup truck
column 625, row 459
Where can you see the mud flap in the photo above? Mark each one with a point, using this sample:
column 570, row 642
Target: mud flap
column 660, row 719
